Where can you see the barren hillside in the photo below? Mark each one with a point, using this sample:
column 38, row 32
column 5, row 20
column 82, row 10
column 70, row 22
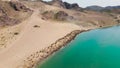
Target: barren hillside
column 12, row 13
column 80, row 17
column 31, row 26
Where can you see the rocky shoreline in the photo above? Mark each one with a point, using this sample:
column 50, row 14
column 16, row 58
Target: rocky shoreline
column 37, row 57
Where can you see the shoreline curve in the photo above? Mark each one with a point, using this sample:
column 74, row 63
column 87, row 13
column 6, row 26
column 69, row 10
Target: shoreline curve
column 34, row 59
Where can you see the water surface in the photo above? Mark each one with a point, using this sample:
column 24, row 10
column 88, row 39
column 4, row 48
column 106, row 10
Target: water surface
column 94, row 49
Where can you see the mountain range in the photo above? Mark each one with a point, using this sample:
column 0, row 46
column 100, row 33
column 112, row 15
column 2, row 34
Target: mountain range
column 107, row 9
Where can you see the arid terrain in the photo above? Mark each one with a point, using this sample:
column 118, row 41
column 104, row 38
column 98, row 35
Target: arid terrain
column 30, row 28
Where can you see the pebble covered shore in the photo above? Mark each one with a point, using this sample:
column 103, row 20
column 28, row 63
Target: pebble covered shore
column 37, row 57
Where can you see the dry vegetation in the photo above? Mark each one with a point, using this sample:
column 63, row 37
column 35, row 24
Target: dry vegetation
column 8, row 34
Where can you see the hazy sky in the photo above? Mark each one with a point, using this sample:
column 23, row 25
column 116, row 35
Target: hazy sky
column 84, row 3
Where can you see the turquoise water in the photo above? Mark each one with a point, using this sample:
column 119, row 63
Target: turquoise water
column 94, row 49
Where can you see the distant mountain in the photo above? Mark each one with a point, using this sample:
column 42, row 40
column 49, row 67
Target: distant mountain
column 114, row 9
column 95, row 8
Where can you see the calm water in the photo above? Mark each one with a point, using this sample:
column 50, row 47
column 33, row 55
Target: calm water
column 94, row 49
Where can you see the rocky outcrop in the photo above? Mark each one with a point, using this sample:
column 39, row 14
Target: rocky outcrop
column 74, row 6
column 19, row 6
column 48, row 15
column 60, row 16
column 116, row 17
column 11, row 13
column 7, row 21
column 2, row 12
column 32, row 60
column 66, row 5
column 58, row 3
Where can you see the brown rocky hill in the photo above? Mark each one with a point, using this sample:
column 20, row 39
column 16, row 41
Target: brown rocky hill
column 12, row 13
column 61, row 4
column 55, row 10
column 58, row 3
column 72, row 13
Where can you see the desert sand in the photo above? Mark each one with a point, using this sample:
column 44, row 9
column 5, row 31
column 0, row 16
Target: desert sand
column 36, row 34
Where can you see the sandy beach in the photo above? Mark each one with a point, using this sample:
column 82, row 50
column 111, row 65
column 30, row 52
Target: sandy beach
column 36, row 35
